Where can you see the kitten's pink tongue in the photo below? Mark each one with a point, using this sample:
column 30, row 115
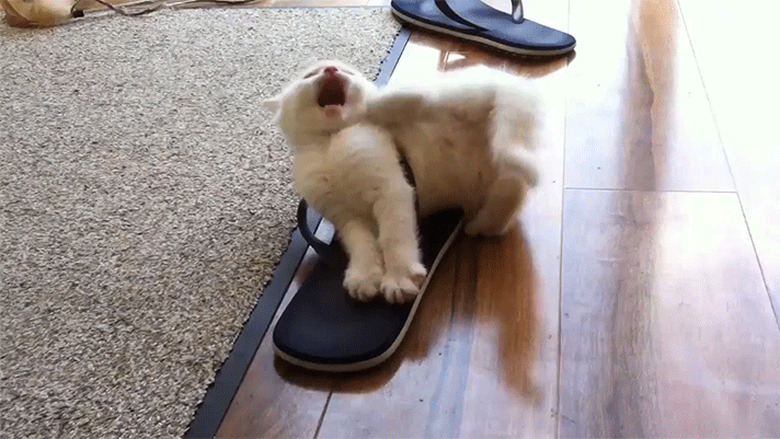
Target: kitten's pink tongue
column 332, row 92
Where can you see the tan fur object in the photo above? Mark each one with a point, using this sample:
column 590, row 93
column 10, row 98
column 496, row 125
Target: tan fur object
column 36, row 13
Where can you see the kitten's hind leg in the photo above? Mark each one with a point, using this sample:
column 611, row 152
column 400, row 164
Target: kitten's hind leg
column 502, row 202
column 396, row 218
column 364, row 272
column 511, row 147
column 515, row 174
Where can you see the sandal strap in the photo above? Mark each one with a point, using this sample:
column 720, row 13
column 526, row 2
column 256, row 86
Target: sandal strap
column 518, row 14
column 445, row 8
column 517, row 11
column 332, row 254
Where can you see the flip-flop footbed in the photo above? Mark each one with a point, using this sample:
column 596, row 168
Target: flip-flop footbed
column 324, row 329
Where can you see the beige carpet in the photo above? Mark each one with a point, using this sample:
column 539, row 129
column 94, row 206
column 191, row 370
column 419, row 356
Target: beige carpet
column 145, row 199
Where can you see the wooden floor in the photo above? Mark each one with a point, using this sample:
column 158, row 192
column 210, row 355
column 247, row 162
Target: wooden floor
column 635, row 296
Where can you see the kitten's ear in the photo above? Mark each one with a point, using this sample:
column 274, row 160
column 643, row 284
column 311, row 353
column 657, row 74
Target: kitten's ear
column 273, row 104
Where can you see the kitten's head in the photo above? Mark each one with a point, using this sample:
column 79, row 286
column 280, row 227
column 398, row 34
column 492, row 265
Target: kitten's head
column 324, row 98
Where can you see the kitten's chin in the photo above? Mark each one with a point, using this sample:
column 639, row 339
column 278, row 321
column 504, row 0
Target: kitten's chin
column 345, row 114
column 333, row 111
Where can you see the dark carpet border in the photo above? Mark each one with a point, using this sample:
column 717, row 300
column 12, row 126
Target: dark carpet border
column 220, row 393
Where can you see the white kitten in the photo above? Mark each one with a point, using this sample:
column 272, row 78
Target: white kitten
column 349, row 172
column 469, row 137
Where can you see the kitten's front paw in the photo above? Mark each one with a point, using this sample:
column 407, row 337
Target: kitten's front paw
column 417, row 273
column 394, row 107
column 362, row 285
column 404, row 285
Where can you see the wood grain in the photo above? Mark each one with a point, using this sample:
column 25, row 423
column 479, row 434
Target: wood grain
column 638, row 117
column 744, row 95
column 666, row 329
column 512, row 383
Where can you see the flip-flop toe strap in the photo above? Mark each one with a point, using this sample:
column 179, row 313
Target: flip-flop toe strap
column 332, row 253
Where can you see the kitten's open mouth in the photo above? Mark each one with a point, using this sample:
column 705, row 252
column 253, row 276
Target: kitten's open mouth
column 333, row 91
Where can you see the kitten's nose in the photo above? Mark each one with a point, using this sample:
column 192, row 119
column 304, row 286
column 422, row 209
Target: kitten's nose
column 330, row 70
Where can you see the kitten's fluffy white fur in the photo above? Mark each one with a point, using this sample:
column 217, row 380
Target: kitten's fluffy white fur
column 468, row 136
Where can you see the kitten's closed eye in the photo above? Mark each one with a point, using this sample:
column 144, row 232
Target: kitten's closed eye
column 310, row 74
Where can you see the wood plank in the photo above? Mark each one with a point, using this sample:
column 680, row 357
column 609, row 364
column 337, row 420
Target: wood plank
column 512, row 381
column 744, row 94
column 275, row 400
column 667, row 330
column 424, row 54
column 638, row 117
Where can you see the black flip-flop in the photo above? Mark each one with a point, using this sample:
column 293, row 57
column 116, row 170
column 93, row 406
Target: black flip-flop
column 324, row 329
column 475, row 21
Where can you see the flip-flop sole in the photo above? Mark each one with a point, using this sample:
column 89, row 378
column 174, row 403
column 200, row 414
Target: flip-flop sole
column 498, row 29
column 324, row 329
